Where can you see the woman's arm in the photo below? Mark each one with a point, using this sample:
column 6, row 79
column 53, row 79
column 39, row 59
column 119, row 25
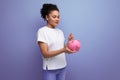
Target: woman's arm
column 44, row 50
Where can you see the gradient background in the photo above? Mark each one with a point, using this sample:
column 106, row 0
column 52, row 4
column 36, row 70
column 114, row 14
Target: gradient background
column 96, row 23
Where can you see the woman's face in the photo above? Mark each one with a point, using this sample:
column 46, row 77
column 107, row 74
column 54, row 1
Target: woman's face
column 53, row 18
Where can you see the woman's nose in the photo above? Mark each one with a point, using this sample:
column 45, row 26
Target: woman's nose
column 57, row 19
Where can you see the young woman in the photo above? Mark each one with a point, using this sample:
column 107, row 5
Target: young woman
column 51, row 42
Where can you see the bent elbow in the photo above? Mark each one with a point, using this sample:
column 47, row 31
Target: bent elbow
column 46, row 55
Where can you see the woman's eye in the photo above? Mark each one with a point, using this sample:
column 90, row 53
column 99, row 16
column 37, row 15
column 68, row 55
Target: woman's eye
column 54, row 16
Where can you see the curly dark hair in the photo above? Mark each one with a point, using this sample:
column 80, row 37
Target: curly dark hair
column 46, row 8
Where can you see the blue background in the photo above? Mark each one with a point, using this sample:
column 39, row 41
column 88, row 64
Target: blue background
column 96, row 23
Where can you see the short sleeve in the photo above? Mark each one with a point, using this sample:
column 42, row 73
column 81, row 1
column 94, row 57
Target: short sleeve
column 41, row 36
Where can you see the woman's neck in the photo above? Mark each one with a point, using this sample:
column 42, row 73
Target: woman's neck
column 50, row 26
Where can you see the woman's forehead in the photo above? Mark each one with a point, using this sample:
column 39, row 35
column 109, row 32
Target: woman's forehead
column 54, row 12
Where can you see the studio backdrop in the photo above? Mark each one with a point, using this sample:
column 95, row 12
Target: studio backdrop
column 96, row 23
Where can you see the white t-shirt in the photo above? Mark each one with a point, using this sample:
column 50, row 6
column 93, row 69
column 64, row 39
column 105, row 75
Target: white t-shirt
column 54, row 38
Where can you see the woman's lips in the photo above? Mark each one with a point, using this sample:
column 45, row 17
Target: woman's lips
column 56, row 22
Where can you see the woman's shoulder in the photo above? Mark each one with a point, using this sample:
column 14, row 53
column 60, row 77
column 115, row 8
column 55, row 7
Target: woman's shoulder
column 60, row 30
column 42, row 28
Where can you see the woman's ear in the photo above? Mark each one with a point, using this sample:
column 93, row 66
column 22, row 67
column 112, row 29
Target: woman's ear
column 46, row 17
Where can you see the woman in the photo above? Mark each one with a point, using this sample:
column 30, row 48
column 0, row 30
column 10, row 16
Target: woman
column 51, row 42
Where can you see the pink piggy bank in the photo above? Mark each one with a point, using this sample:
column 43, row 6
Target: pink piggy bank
column 74, row 45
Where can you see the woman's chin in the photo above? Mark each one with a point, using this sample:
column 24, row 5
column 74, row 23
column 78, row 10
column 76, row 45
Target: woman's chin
column 55, row 25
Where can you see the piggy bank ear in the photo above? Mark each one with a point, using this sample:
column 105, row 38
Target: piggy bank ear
column 78, row 40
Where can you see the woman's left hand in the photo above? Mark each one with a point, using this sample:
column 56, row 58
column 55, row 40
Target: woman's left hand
column 70, row 37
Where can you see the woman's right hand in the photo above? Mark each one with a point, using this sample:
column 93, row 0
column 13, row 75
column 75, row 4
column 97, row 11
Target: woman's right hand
column 67, row 50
